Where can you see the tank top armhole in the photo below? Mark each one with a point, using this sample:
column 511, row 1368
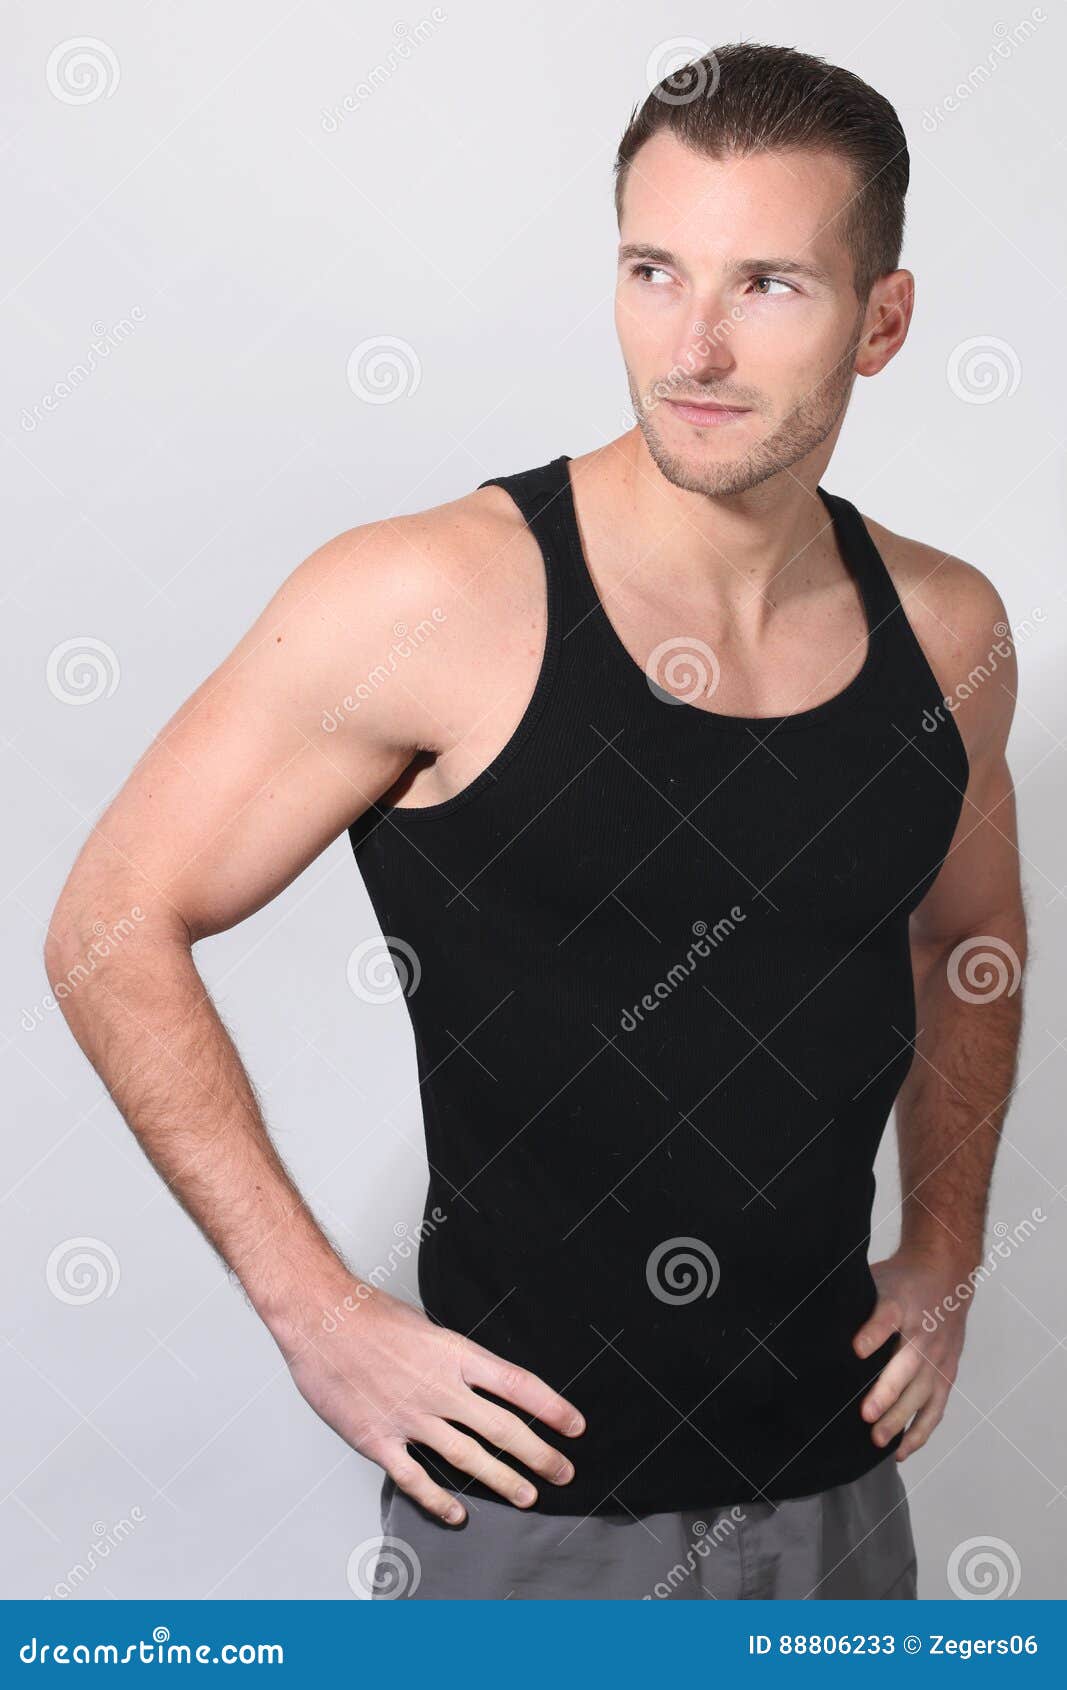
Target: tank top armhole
column 530, row 493
column 896, row 631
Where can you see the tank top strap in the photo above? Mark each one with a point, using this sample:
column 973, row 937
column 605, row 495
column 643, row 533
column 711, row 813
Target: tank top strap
column 543, row 495
column 887, row 623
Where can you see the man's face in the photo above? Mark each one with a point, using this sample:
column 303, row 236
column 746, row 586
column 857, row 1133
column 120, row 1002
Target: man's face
column 741, row 294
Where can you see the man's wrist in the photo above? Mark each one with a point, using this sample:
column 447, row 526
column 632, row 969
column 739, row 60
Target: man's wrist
column 297, row 1296
column 939, row 1250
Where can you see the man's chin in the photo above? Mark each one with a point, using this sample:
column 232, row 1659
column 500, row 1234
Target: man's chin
column 698, row 470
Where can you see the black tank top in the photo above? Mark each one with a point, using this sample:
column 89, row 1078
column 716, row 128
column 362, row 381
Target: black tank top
column 662, row 1002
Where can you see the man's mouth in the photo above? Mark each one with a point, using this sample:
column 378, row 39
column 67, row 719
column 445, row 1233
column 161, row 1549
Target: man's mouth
column 705, row 413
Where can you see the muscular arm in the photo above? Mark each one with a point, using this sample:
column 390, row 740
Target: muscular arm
column 237, row 794
column 968, row 953
column 968, row 946
column 240, row 791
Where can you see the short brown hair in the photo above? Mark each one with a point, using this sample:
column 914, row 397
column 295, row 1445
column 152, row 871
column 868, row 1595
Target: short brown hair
column 744, row 98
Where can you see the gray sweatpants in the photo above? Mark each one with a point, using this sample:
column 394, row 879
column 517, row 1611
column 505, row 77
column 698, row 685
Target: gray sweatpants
column 852, row 1541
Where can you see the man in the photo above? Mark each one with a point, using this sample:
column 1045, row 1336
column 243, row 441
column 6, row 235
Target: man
column 674, row 811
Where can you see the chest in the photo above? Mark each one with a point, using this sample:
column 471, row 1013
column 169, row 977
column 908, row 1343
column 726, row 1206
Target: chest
column 836, row 828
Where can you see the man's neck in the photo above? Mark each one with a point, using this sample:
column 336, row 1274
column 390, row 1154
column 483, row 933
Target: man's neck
column 731, row 549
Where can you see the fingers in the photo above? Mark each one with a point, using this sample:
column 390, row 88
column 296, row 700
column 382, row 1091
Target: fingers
column 890, row 1382
column 506, row 1431
column 415, row 1482
column 469, row 1456
column 516, row 1385
column 883, row 1322
column 921, row 1427
column 913, row 1398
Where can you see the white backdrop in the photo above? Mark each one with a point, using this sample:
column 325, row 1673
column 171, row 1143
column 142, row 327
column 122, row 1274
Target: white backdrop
column 209, row 210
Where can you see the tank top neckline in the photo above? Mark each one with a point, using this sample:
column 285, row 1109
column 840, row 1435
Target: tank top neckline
column 862, row 559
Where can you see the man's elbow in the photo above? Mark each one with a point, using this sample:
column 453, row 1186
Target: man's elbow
column 61, row 940
column 94, row 927
column 998, row 940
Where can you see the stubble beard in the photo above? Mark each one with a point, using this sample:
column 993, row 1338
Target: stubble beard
column 803, row 428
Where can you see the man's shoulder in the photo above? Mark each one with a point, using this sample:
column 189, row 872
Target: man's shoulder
column 935, row 580
column 959, row 619
column 451, row 596
column 461, row 546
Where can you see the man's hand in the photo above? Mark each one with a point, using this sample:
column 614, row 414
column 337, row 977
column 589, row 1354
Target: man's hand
column 383, row 1375
column 913, row 1389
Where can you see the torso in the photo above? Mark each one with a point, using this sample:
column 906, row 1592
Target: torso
column 664, row 999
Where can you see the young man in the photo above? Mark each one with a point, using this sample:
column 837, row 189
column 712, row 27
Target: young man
column 673, row 803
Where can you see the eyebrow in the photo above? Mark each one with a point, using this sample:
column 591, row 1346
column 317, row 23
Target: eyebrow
column 639, row 250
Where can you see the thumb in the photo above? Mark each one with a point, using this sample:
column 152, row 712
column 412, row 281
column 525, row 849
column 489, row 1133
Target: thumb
column 878, row 1328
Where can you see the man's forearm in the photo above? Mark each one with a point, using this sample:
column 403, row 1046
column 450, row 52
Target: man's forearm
column 144, row 1019
column 952, row 1106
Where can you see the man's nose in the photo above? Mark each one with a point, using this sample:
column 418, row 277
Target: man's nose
column 705, row 349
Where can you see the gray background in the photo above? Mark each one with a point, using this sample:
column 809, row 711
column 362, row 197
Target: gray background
column 230, row 245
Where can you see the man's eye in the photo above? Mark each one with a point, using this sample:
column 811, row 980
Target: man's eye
column 644, row 270
column 773, row 281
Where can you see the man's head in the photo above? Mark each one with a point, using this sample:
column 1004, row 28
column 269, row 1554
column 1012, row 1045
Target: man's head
column 760, row 197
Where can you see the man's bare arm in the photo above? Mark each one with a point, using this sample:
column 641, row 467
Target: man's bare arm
column 240, row 791
column 968, row 946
